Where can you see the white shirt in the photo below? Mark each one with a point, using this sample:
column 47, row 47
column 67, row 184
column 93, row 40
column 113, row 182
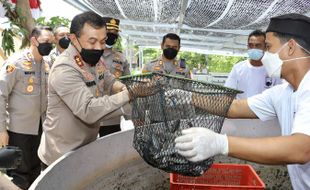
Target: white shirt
column 293, row 112
column 249, row 79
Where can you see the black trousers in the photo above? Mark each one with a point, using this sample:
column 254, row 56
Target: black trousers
column 29, row 169
column 106, row 130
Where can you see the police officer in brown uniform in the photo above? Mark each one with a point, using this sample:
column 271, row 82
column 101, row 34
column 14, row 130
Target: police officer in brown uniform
column 118, row 66
column 61, row 41
column 81, row 91
column 167, row 63
column 23, row 87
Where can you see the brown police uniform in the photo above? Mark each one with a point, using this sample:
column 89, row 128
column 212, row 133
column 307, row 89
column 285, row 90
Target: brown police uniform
column 118, row 66
column 176, row 68
column 23, row 87
column 77, row 100
column 116, row 62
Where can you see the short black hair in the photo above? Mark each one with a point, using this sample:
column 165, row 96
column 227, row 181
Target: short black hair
column 171, row 36
column 36, row 31
column 88, row 17
column 286, row 37
column 257, row 33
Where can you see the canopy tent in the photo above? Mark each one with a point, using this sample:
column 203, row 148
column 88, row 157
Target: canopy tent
column 219, row 27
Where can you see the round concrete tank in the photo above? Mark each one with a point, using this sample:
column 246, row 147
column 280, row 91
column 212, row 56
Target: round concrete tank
column 111, row 162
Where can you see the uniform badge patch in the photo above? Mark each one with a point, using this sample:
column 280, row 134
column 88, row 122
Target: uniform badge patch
column 10, row 68
column 27, row 65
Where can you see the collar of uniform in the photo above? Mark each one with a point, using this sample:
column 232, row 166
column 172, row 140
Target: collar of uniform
column 174, row 61
column 107, row 52
column 57, row 52
column 72, row 51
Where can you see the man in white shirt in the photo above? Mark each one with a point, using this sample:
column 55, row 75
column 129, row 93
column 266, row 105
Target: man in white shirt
column 249, row 75
column 287, row 56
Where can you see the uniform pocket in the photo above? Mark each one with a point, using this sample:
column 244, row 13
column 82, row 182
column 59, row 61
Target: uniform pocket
column 31, row 85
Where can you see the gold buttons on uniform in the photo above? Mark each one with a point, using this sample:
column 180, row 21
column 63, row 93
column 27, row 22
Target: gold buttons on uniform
column 30, row 80
column 29, row 88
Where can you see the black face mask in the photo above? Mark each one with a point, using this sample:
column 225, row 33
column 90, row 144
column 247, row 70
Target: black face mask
column 45, row 48
column 112, row 38
column 91, row 56
column 64, row 42
column 170, row 53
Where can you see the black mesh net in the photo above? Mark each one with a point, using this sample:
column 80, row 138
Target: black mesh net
column 162, row 106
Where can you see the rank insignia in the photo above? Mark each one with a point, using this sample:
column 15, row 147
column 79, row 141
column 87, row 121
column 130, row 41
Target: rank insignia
column 47, row 67
column 10, row 68
column 27, row 65
column 160, row 62
column 29, row 88
column 78, row 61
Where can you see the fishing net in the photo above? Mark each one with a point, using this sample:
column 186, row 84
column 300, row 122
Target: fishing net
column 163, row 106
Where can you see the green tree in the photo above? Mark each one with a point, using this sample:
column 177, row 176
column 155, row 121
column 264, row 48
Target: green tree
column 150, row 54
column 222, row 64
column 214, row 63
column 193, row 59
column 21, row 23
column 53, row 21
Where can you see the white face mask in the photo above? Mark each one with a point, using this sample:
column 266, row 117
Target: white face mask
column 273, row 63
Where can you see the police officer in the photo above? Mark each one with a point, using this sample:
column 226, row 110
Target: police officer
column 118, row 66
column 61, row 41
column 82, row 91
column 23, row 87
column 167, row 63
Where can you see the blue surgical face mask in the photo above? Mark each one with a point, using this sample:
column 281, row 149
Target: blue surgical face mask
column 255, row 54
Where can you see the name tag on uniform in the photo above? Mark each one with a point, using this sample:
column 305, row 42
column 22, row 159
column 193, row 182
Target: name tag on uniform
column 101, row 77
column 90, row 83
column 29, row 72
column 118, row 62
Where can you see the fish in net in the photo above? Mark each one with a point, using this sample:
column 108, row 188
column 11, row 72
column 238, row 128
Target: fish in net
column 164, row 105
